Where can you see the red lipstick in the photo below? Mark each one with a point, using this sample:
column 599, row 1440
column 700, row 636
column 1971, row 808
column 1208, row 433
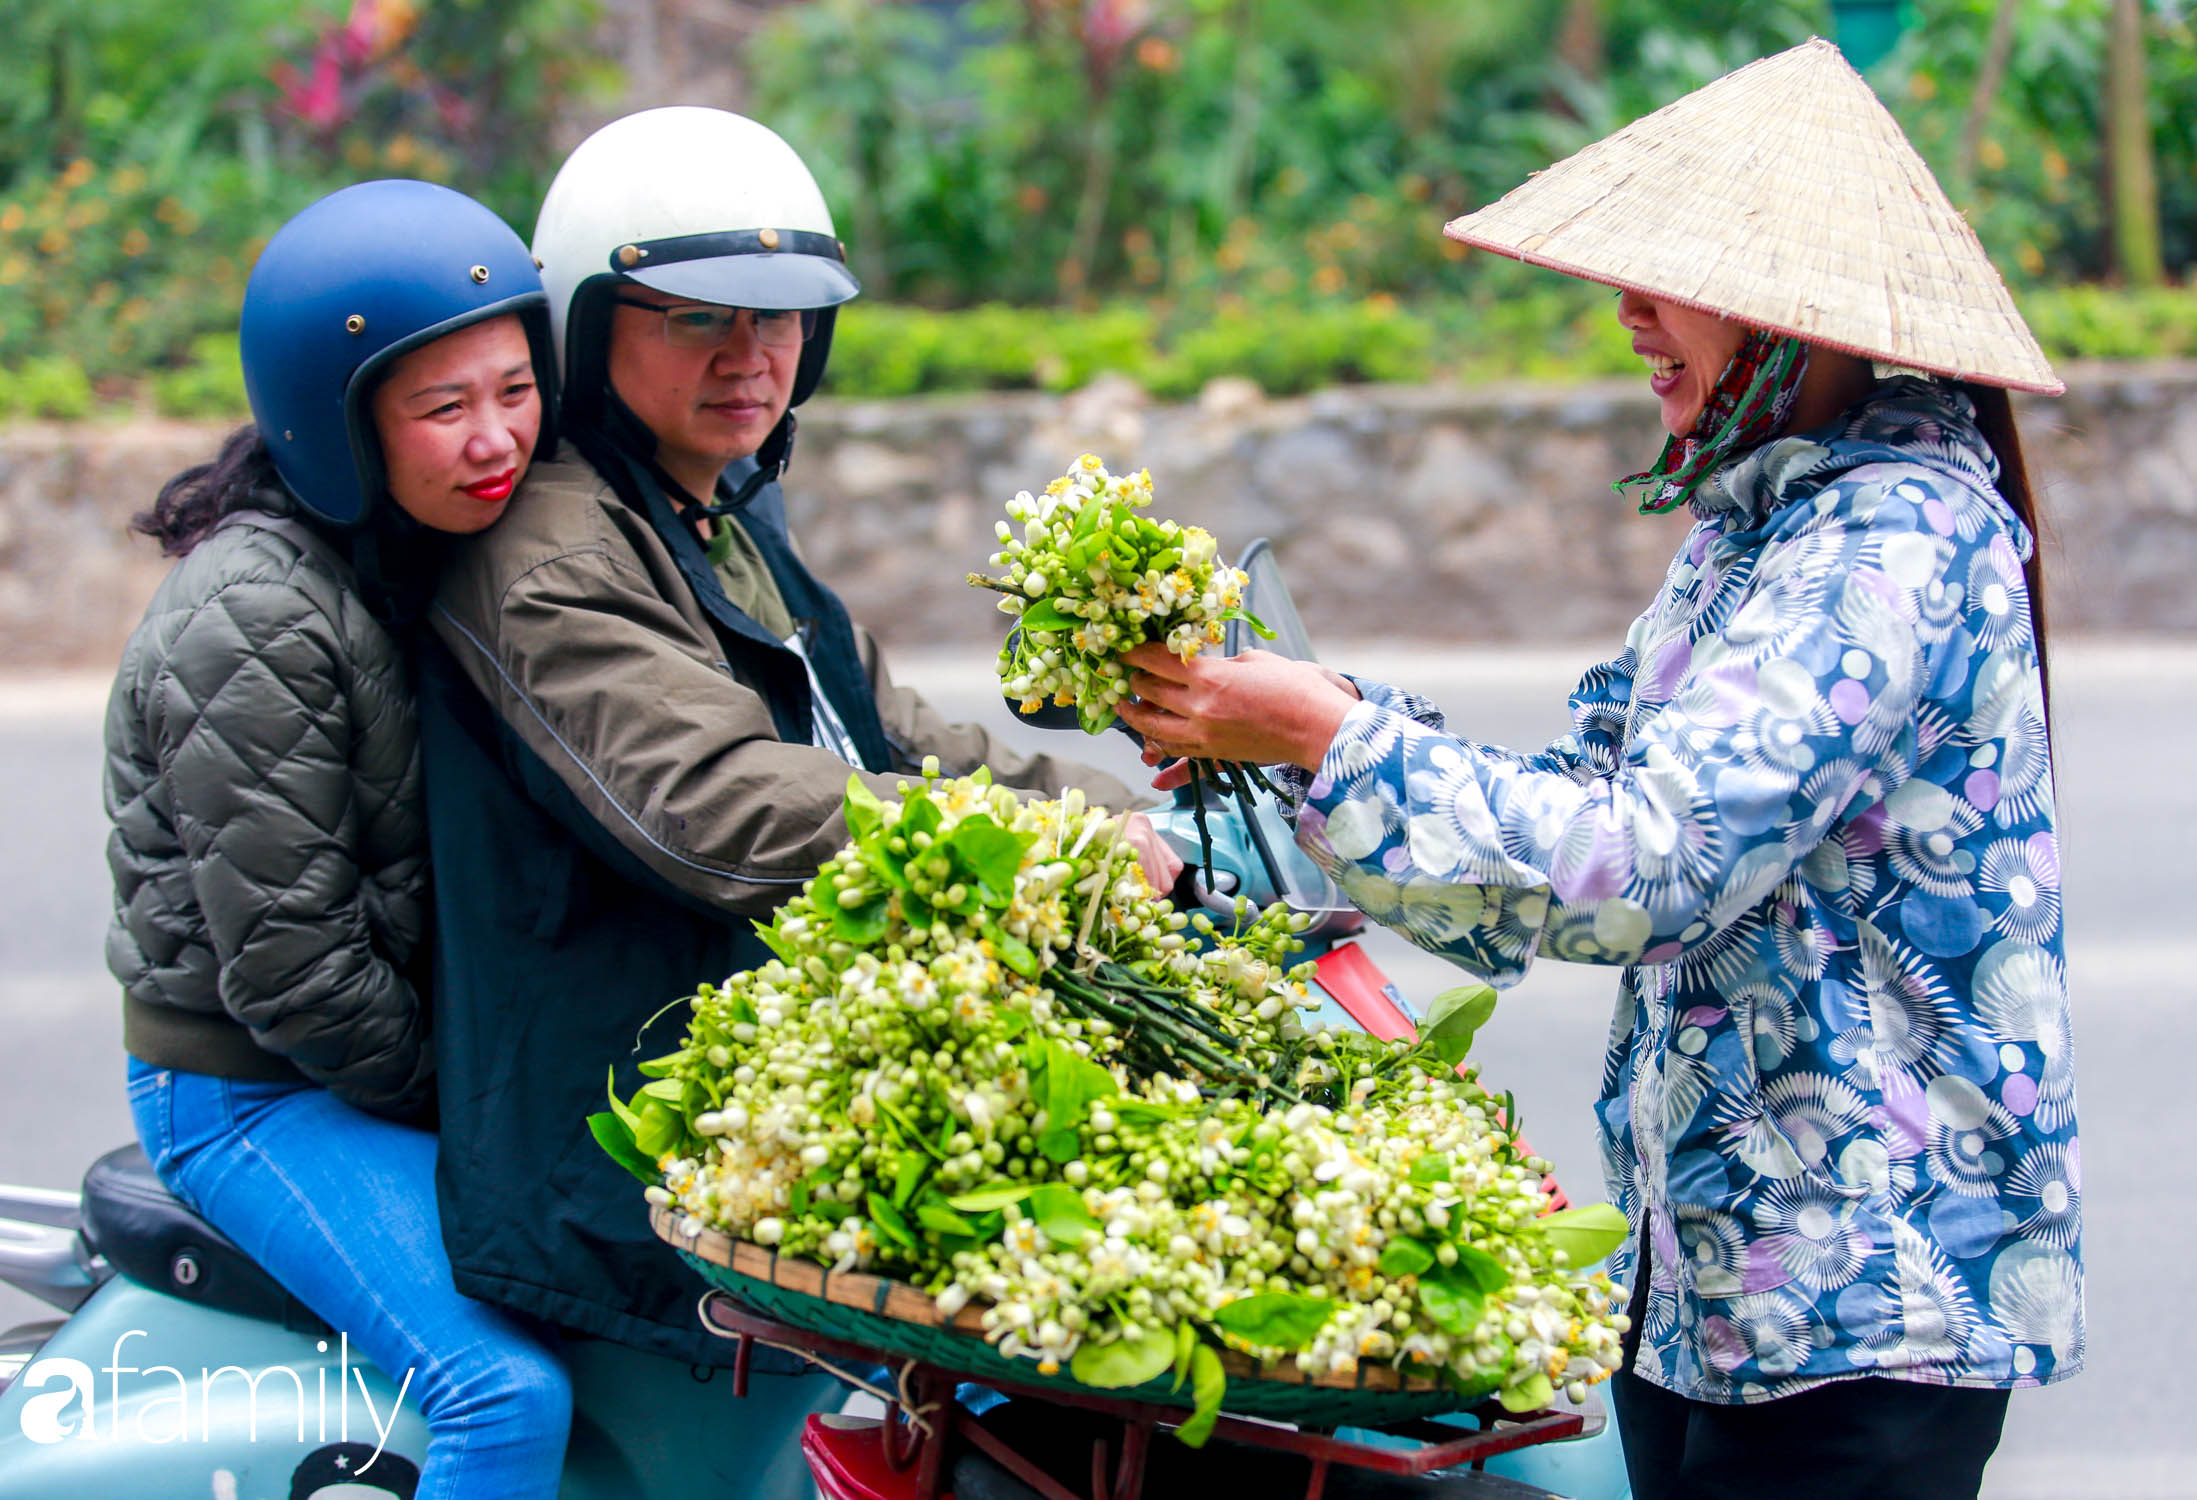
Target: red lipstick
column 496, row 487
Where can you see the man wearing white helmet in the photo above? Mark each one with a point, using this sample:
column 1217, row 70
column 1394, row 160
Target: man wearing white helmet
column 641, row 708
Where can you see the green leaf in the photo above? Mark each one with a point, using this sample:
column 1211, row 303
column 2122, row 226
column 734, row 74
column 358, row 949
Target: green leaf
column 1481, row 1269
column 865, row 813
column 919, row 814
column 670, row 1090
column 1060, row 1146
column 612, row 1134
column 1530, row 1394
column 881, row 862
column 908, row 1176
column 1045, row 614
column 861, row 925
column 1072, row 1084
column 991, row 853
column 800, row 1197
column 1454, row 1016
column 1124, row 1363
column 1275, row 1320
column 1013, row 951
column 660, row 1127
column 1208, row 1384
column 1186, row 1342
column 1433, row 1167
column 908, row 1130
column 887, row 1218
column 996, row 1195
column 618, row 1106
column 1586, row 1234
column 1258, row 626
column 831, row 1209
column 1452, row 1303
column 1059, row 1211
column 943, row 1220
column 1405, row 1258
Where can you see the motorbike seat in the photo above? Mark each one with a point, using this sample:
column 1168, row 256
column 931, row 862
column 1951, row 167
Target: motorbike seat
column 148, row 1234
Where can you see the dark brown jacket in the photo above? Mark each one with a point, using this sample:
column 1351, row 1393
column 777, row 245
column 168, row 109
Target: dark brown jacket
column 572, row 617
column 618, row 782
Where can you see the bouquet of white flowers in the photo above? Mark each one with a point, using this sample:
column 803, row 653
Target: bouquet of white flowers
column 1089, row 579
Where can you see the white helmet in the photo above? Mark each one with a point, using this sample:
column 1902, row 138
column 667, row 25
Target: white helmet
column 695, row 202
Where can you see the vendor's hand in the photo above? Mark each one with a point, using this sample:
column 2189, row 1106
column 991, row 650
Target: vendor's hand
column 1255, row 706
column 1161, row 863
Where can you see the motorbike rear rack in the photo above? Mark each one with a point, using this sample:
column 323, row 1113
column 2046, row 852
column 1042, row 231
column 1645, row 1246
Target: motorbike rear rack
column 923, row 1423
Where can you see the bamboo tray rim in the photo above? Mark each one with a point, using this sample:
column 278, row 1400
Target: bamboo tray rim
column 888, row 1298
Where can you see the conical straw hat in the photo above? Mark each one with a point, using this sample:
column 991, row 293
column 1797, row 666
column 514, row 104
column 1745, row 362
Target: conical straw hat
column 1784, row 196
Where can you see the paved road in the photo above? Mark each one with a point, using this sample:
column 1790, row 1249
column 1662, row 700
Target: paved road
column 2127, row 716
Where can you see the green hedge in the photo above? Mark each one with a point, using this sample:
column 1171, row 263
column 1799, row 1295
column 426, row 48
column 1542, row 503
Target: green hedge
column 211, row 385
column 1561, row 331
column 53, row 388
column 903, row 351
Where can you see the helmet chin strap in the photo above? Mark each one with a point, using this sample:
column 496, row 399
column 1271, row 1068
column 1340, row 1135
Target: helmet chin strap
column 770, row 462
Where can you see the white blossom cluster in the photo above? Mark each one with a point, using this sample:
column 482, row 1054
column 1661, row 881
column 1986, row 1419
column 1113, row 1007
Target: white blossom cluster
column 923, row 1095
column 1090, row 579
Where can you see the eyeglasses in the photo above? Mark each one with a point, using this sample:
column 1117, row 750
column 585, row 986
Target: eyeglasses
column 705, row 325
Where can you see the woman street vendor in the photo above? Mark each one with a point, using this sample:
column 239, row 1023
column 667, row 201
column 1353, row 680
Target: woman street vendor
column 1808, row 809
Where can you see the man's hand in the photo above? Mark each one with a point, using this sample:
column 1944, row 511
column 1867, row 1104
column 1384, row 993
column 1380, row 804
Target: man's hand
column 1161, row 863
column 1255, row 706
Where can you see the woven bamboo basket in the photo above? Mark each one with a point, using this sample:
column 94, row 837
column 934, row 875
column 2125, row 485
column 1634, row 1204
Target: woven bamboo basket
column 896, row 1318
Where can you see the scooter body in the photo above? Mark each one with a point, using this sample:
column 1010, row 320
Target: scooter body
column 154, row 1395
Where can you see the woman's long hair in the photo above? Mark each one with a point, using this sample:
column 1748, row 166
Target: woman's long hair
column 395, row 559
column 1995, row 420
column 241, row 477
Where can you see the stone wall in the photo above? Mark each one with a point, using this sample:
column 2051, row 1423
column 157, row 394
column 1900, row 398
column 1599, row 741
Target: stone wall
column 1431, row 512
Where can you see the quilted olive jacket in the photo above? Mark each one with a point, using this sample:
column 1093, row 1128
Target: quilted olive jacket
column 268, row 850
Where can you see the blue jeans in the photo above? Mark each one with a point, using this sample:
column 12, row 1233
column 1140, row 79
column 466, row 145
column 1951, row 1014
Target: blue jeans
column 339, row 1206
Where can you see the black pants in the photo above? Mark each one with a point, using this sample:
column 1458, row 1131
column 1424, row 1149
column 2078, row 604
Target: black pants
column 1866, row 1439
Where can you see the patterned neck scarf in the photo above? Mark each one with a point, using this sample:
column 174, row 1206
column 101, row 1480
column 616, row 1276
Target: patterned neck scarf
column 1751, row 402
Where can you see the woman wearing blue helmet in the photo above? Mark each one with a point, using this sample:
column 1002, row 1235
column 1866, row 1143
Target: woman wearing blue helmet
column 268, row 846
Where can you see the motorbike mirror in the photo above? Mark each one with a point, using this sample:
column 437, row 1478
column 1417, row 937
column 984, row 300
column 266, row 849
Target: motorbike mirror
column 1266, row 598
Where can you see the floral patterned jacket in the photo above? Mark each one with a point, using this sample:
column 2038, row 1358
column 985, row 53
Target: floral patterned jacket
column 1810, row 811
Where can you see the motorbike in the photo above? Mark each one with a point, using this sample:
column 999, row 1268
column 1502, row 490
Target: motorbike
column 178, row 1369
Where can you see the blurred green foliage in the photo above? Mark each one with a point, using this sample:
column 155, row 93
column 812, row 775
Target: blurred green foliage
column 147, row 150
column 1523, row 326
column 210, row 383
column 1032, row 190
column 1193, row 151
column 54, row 387
column 1555, row 331
column 900, row 350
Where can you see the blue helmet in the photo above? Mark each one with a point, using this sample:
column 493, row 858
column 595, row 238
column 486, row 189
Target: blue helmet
column 342, row 290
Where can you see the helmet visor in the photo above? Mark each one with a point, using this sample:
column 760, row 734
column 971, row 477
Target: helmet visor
column 786, row 282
